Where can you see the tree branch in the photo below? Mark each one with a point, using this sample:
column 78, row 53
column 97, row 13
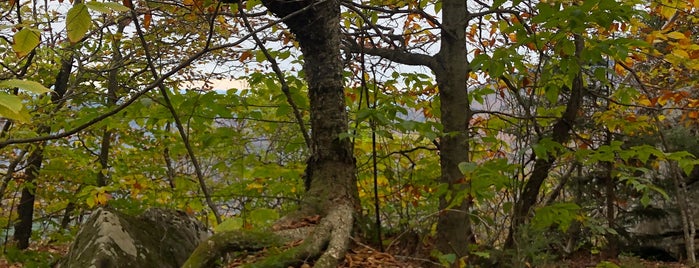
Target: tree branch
column 407, row 58
column 171, row 108
column 148, row 88
column 282, row 81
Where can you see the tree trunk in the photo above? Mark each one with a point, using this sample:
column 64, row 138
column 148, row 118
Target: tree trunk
column 542, row 166
column 451, row 69
column 25, row 208
column 453, row 225
column 331, row 169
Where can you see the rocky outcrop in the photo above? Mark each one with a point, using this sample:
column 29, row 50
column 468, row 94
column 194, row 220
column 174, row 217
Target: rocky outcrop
column 156, row 238
column 662, row 232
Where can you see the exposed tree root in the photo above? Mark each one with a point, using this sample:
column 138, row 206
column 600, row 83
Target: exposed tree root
column 326, row 244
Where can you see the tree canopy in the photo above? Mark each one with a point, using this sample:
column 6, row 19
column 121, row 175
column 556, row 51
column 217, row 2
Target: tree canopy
column 474, row 132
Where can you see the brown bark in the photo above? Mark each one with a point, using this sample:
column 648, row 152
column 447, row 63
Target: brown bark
column 331, row 168
column 451, row 69
column 25, row 208
column 453, row 226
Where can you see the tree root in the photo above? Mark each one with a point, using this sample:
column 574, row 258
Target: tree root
column 327, row 243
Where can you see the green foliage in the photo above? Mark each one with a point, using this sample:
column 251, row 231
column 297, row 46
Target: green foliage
column 248, row 141
column 25, row 41
column 259, row 219
column 11, row 105
column 78, row 21
column 606, row 264
column 559, row 215
column 32, row 258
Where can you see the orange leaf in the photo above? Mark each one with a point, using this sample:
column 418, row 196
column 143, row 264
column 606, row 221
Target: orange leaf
column 693, row 114
column 147, row 19
column 245, row 55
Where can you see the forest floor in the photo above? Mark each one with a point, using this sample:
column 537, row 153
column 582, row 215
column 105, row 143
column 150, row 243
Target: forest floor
column 362, row 256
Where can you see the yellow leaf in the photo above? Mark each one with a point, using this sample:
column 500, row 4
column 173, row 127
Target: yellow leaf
column 254, row 185
column 680, row 53
column 676, row 35
column 644, row 102
column 667, row 11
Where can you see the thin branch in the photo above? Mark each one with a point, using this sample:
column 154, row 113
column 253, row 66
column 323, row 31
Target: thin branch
column 151, row 86
column 171, row 108
column 282, row 81
column 10, row 172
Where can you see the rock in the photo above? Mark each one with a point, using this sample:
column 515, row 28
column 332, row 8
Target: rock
column 156, row 238
column 663, row 231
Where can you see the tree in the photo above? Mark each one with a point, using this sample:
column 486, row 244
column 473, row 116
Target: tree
column 451, row 69
column 536, row 110
column 331, row 166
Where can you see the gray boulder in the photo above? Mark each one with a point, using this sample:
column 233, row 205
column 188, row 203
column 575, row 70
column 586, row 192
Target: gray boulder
column 156, row 238
column 663, row 234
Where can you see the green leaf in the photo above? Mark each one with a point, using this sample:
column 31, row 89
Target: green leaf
column 263, row 217
column 540, row 151
column 229, row 225
column 77, row 22
column 98, row 6
column 116, row 6
column 20, row 116
column 552, row 94
column 106, row 7
column 438, row 7
column 447, row 258
column 250, row 4
column 10, row 102
column 25, row 41
column 25, row 85
column 260, row 56
column 283, row 110
column 467, row 167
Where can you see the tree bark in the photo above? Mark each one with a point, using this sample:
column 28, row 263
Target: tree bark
column 331, row 169
column 25, row 208
column 451, row 69
column 453, row 225
column 542, row 166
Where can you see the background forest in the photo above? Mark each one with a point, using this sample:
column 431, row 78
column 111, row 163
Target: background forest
column 514, row 133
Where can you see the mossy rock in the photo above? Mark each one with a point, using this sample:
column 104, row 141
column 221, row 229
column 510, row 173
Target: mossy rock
column 156, row 238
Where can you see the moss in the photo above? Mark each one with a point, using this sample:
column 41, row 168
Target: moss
column 208, row 252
